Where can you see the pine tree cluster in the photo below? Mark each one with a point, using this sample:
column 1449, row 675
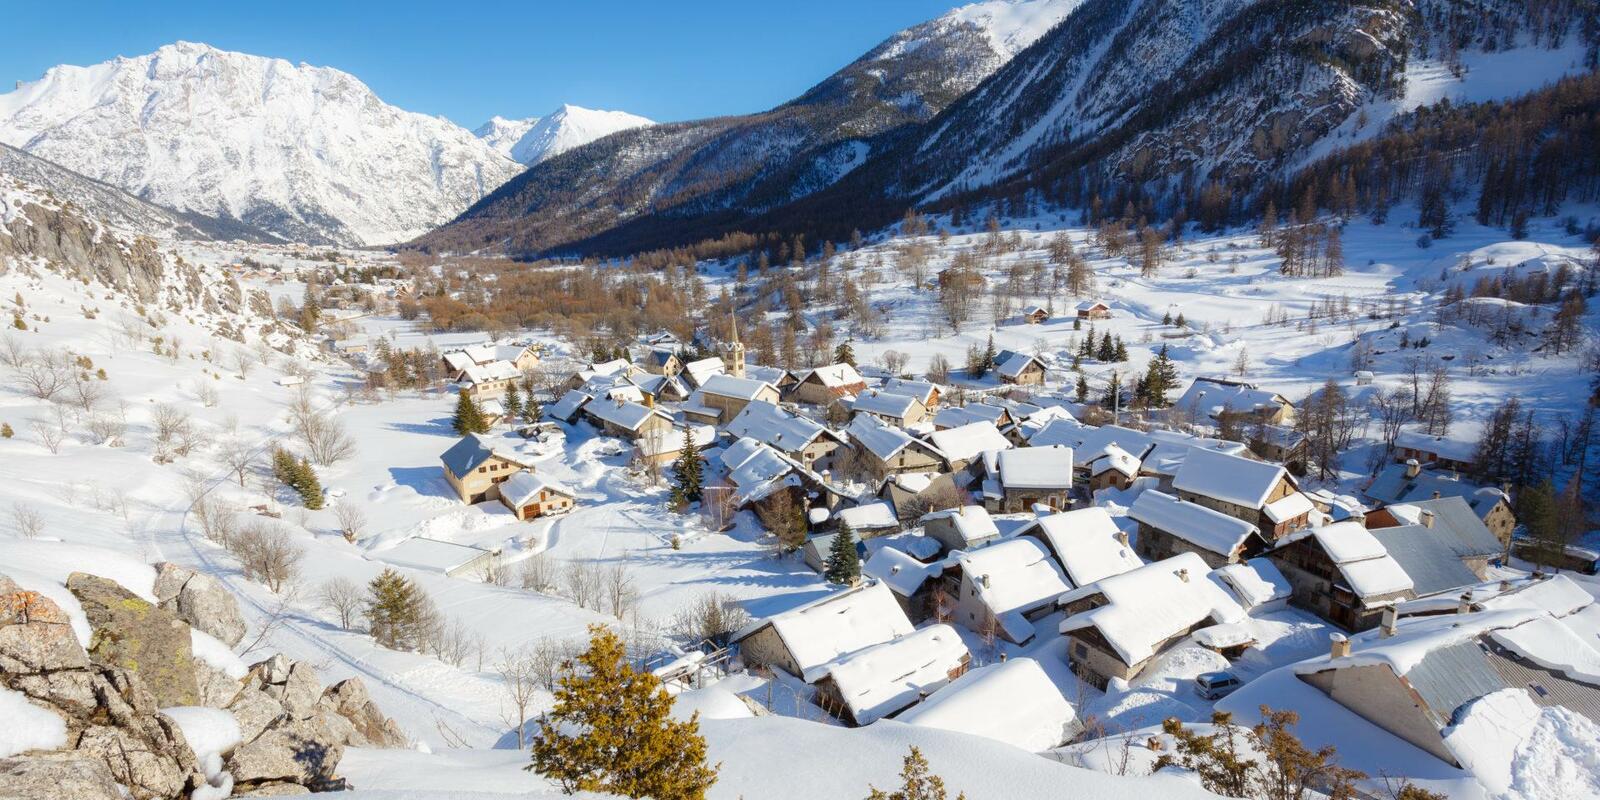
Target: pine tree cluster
column 297, row 474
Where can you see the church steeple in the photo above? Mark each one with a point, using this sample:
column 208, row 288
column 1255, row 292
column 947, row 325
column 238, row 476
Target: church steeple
column 733, row 352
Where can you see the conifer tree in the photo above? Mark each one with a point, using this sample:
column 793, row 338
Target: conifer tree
column 690, row 475
column 989, row 355
column 612, row 731
column 1107, row 352
column 308, row 486
column 513, row 401
column 916, row 782
column 1166, row 319
column 468, row 418
column 1160, row 378
column 1113, row 396
column 1120, row 352
column 396, row 610
column 532, row 410
column 844, row 353
column 844, row 564
column 1180, row 321
column 1083, row 388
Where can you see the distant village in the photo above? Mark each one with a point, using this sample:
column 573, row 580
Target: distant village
column 937, row 507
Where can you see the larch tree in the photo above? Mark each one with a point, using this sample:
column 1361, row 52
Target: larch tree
column 612, row 730
column 844, row 353
column 917, row 782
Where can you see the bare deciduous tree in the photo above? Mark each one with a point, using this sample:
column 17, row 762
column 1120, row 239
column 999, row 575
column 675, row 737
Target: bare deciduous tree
column 618, row 591
column 28, row 519
column 267, row 554
column 352, row 520
column 538, row 573
column 174, row 433
column 519, row 673
column 712, row 617
column 344, row 598
column 48, row 433
column 325, row 438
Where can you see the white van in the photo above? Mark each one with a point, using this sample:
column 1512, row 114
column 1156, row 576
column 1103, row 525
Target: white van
column 1216, row 685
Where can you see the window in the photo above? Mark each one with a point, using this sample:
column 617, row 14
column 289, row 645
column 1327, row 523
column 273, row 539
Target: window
column 1079, row 650
column 483, row 469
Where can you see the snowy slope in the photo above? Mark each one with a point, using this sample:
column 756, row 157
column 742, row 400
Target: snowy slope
column 531, row 140
column 308, row 153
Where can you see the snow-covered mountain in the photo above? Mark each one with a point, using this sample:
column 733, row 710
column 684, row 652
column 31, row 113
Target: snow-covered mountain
column 709, row 169
column 531, row 140
column 307, row 153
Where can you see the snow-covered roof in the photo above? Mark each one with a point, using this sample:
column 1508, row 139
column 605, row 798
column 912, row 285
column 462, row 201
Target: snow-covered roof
column 524, row 487
column 968, row 441
column 1202, row 527
column 871, row 516
column 1416, row 638
column 881, row 440
column 1213, row 396
column 835, row 376
column 1012, row 365
column 824, row 631
column 956, row 416
column 492, row 371
column 1556, row 594
column 1069, row 432
column 1452, row 449
column 769, row 424
column 1013, row 577
column 613, row 367
column 972, row 523
column 1392, row 485
column 1255, row 582
column 701, row 370
column 1036, row 467
column 1362, row 559
column 568, row 406
column 922, row 390
column 1148, row 606
column 739, row 452
column 1087, row 543
column 1113, row 457
column 898, row 570
column 672, row 441
column 1287, row 507
column 1229, row 478
column 739, row 388
column 1428, row 556
column 472, row 451
column 885, row 404
column 887, row 677
column 1013, row 701
column 626, row 415
column 1090, row 305
column 763, row 465
column 430, row 554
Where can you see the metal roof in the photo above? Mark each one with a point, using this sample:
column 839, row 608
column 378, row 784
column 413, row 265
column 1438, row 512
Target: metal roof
column 1428, row 555
column 1452, row 676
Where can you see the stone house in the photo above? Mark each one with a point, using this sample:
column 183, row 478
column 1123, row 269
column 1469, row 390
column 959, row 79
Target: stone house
column 884, row 451
column 1262, row 494
column 1169, row 526
column 806, row 441
column 824, row 385
column 1342, row 573
column 1007, row 585
column 722, row 397
column 899, row 410
column 1030, row 476
column 1020, row 369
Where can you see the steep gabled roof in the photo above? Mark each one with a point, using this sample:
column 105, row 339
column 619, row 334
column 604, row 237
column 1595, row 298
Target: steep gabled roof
column 1036, row 468
column 1087, row 543
column 1202, row 527
column 969, row 441
column 835, row 376
column 771, row 425
column 739, row 388
column 473, row 451
column 1229, row 478
column 524, row 486
column 1148, row 606
column 884, row 404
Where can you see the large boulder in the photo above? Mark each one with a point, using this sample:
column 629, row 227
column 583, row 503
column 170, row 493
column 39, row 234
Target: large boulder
column 293, row 684
column 149, row 773
column 255, row 712
column 59, row 776
column 293, row 751
column 134, row 634
column 200, row 600
column 217, row 690
column 35, row 634
column 352, row 713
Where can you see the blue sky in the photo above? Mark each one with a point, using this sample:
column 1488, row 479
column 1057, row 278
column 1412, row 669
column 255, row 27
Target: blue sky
column 668, row 60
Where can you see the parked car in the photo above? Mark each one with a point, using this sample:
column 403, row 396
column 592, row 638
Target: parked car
column 1216, row 685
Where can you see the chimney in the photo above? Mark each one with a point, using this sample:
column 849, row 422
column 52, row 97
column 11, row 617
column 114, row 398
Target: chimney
column 1435, row 496
column 984, row 579
column 1412, row 468
column 1464, row 606
column 1391, row 622
column 1338, row 645
column 1183, row 574
column 1427, row 517
column 1122, row 538
column 894, row 570
column 1505, row 585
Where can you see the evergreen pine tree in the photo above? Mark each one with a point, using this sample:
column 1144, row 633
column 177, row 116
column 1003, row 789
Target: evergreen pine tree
column 989, row 355
column 513, row 401
column 844, row 564
column 611, row 730
column 844, row 353
column 532, row 410
column 1107, row 352
column 307, row 484
column 690, row 477
column 1083, row 388
column 395, row 610
column 1180, row 321
column 468, row 418
column 1166, row 319
column 1120, row 352
column 1113, row 397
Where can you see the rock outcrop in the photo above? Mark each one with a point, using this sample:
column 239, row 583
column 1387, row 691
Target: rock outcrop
column 200, row 600
column 134, row 634
column 293, row 732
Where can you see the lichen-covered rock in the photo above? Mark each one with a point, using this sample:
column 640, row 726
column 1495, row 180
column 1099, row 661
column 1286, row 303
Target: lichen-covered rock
column 58, row 776
column 35, row 634
column 151, row 768
column 293, row 684
column 134, row 634
column 200, row 600
column 364, row 725
column 255, row 711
